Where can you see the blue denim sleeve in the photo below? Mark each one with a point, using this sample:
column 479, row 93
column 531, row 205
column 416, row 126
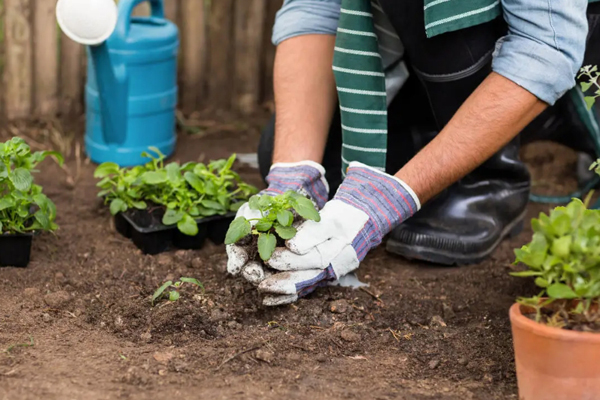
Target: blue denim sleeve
column 544, row 48
column 302, row 17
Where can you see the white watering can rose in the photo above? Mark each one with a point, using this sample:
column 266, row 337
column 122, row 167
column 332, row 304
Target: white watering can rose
column 89, row 22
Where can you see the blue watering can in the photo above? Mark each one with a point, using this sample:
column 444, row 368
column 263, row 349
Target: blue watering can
column 131, row 90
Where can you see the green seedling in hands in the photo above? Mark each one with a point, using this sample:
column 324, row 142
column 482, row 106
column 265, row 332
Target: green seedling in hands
column 170, row 290
column 187, row 192
column 564, row 257
column 588, row 76
column 23, row 205
column 277, row 217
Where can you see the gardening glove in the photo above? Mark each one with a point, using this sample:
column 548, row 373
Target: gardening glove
column 306, row 178
column 367, row 206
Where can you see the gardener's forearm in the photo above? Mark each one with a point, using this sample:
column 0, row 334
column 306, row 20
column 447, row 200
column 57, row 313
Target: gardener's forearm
column 492, row 116
column 305, row 97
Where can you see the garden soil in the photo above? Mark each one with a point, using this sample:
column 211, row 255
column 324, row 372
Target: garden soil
column 78, row 323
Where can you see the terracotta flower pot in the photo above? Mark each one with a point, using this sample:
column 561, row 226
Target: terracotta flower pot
column 553, row 363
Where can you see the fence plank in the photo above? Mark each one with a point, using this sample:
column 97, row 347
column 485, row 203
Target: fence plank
column 221, row 60
column 249, row 28
column 45, row 58
column 269, row 50
column 193, row 47
column 18, row 69
column 142, row 10
column 172, row 10
column 71, row 76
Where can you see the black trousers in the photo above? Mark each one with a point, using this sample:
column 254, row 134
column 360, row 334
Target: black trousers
column 445, row 70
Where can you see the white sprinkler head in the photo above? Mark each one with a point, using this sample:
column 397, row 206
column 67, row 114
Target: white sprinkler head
column 88, row 22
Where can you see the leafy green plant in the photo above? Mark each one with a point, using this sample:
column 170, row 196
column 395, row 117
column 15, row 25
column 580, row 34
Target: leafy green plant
column 277, row 216
column 186, row 192
column 170, row 289
column 564, row 257
column 589, row 83
column 23, row 205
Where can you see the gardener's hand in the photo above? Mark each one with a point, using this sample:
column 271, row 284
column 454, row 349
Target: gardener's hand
column 306, row 178
column 368, row 205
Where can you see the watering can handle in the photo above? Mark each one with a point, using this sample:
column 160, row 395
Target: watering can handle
column 126, row 8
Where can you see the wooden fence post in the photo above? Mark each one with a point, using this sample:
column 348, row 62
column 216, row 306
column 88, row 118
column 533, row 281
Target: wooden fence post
column 221, row 61
column 193, row 48
column 172, row 10
column 18, row 70
column 249, row 28
column 45, row 58
column 71, row 76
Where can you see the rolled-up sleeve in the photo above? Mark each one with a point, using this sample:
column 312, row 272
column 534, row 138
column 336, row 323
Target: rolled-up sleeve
column 544, row 48
column 304, row 17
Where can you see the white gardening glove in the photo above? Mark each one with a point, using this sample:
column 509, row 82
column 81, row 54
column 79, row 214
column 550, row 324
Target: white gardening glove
column 367, row 206
column 306, row 178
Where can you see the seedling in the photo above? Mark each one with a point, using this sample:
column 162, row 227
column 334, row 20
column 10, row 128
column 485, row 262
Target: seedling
column 23, row 205
column 589, row 75
column 186, row 192
column 277, row 217
column 564, row 258
column 172, row 294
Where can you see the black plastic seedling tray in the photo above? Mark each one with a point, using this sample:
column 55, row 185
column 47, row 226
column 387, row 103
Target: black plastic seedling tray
column 154, row 238
column 15, row 249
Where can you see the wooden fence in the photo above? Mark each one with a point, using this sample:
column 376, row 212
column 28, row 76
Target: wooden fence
column 225, row 62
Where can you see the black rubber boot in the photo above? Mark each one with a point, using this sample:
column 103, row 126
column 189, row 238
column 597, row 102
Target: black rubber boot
column 466, row 222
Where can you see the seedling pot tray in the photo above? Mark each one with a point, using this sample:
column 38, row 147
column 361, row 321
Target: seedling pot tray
column 15, row 249
column 554, row 363
column 152, row 237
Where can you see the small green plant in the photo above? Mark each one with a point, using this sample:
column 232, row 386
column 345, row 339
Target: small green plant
column 172, row 294
column 564, row 258
column 277, row 216
column 186, row 192
column 589, row 83
column 23, row 205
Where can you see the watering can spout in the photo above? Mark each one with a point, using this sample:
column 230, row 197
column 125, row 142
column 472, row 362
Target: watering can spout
column 91, row 23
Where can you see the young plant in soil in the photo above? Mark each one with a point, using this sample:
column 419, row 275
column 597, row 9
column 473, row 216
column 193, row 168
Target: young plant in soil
column 588, row 76
column 172, row 294
column 278, row 214
column 23, row 205
column 564, row 258
column 185, row 192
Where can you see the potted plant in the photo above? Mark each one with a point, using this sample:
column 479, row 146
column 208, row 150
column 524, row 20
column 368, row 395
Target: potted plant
column 556, row 334
column 24, row 208
column 158, row 204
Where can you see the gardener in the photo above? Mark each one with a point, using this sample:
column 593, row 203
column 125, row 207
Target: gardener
column 405, row 70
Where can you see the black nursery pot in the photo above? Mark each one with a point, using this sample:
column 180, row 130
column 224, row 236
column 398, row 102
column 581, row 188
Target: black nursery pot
column 152, row 237
column 15, row 249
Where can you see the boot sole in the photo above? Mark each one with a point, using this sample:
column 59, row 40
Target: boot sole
column 440, row 256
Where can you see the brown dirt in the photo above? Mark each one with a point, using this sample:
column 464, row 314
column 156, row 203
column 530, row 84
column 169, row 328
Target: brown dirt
column 419, row 332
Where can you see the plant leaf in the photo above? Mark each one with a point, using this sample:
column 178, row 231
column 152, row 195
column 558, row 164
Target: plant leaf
column 154, row 177
column 306, row 209
column 117, row 206
column 285, row 232
column 105, row 169
column 239, row 228
column 174, row 295
column 172, row 217
column 263, row 226
column 285, row 218
column 6, row 202
column 21, row 179
column 187, row 225
column 266, row 245
column 158, row 293
column 589, row 101
column 560, row 291
column 193, row 281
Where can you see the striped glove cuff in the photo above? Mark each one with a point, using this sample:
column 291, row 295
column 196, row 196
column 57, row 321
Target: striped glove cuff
column 305, row 177
column 384, row 198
